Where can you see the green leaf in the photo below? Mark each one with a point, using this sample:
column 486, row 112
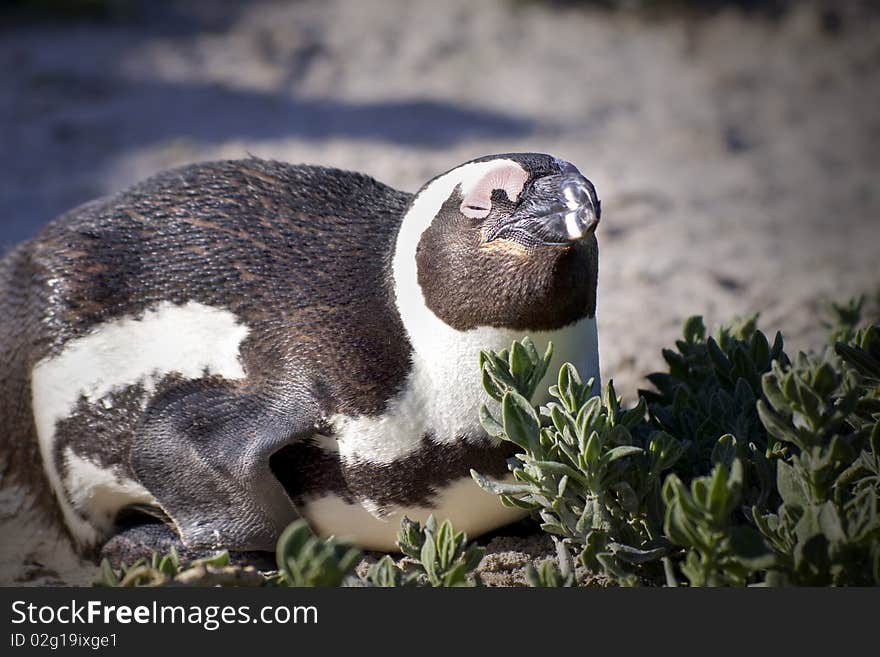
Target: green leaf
column 108, row 575
column 790, row 488
column 694, row 329
column 776, row 426
column 410, row 538
column 531, row 351
column 473, row 555
column 521, row 423
column 166, row 566
column 859, row 359
column 750, row 549
column 678, row 525
column 634, row 555
column 620, row 452
column 569, row 385
column 760, row 350
column 665, row 451
column 593, row 448
column 626, row 496
column 385, row 574
column 306, row 560
column 719, row 494
column 511, row 501
column 677, row 364
column 587, row 415
column 428, row 559
column 563, row 484
column 719, row 359
column 520, row 366
column 724, row 451
column 560, row 418
column 490, row 425
column 830, row 524
column 500, row 487
column 808, row 526
column 635, row 415
column 559, row 469
column 770, row 385
column 554, row 528
column 445, row 544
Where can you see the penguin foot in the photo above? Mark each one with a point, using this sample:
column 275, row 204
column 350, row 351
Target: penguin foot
column 139, row 541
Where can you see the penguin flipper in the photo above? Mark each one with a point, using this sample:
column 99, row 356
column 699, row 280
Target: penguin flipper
column 203, row 452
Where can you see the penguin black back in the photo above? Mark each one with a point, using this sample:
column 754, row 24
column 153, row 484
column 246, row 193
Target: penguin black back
column 275, row 244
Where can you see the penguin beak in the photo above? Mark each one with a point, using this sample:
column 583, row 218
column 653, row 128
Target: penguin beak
column 559, row 210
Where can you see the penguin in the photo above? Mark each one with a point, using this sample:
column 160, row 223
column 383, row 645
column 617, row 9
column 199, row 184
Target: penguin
column 233, row 345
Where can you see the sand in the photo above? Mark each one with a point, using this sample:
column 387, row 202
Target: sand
column 736, row 156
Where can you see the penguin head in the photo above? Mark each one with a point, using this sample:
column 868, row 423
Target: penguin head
column 505, row 241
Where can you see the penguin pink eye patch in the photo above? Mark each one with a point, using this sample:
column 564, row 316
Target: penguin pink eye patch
column 507, row 176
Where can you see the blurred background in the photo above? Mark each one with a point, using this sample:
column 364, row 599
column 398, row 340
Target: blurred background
column 734, row 144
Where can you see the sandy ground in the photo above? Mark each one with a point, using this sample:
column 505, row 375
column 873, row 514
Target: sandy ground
column 736, row 157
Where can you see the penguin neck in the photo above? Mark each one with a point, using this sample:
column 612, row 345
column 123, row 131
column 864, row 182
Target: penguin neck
column 445, row 383
column 445, row 361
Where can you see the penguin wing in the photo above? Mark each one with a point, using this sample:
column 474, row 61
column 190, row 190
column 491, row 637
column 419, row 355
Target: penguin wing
column 203, row 452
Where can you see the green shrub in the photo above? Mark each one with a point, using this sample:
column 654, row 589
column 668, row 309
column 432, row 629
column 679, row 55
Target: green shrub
column 590, row 479
column 436, row 556
column 168, row 570
column 548, row 575
column 740, row 467
column 824, row 410
column 306, row 560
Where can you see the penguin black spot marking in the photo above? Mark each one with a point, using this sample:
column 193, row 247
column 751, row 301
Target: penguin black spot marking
column 234, row 344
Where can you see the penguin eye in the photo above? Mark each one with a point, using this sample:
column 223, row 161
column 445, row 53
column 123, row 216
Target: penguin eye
column 474, row 211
